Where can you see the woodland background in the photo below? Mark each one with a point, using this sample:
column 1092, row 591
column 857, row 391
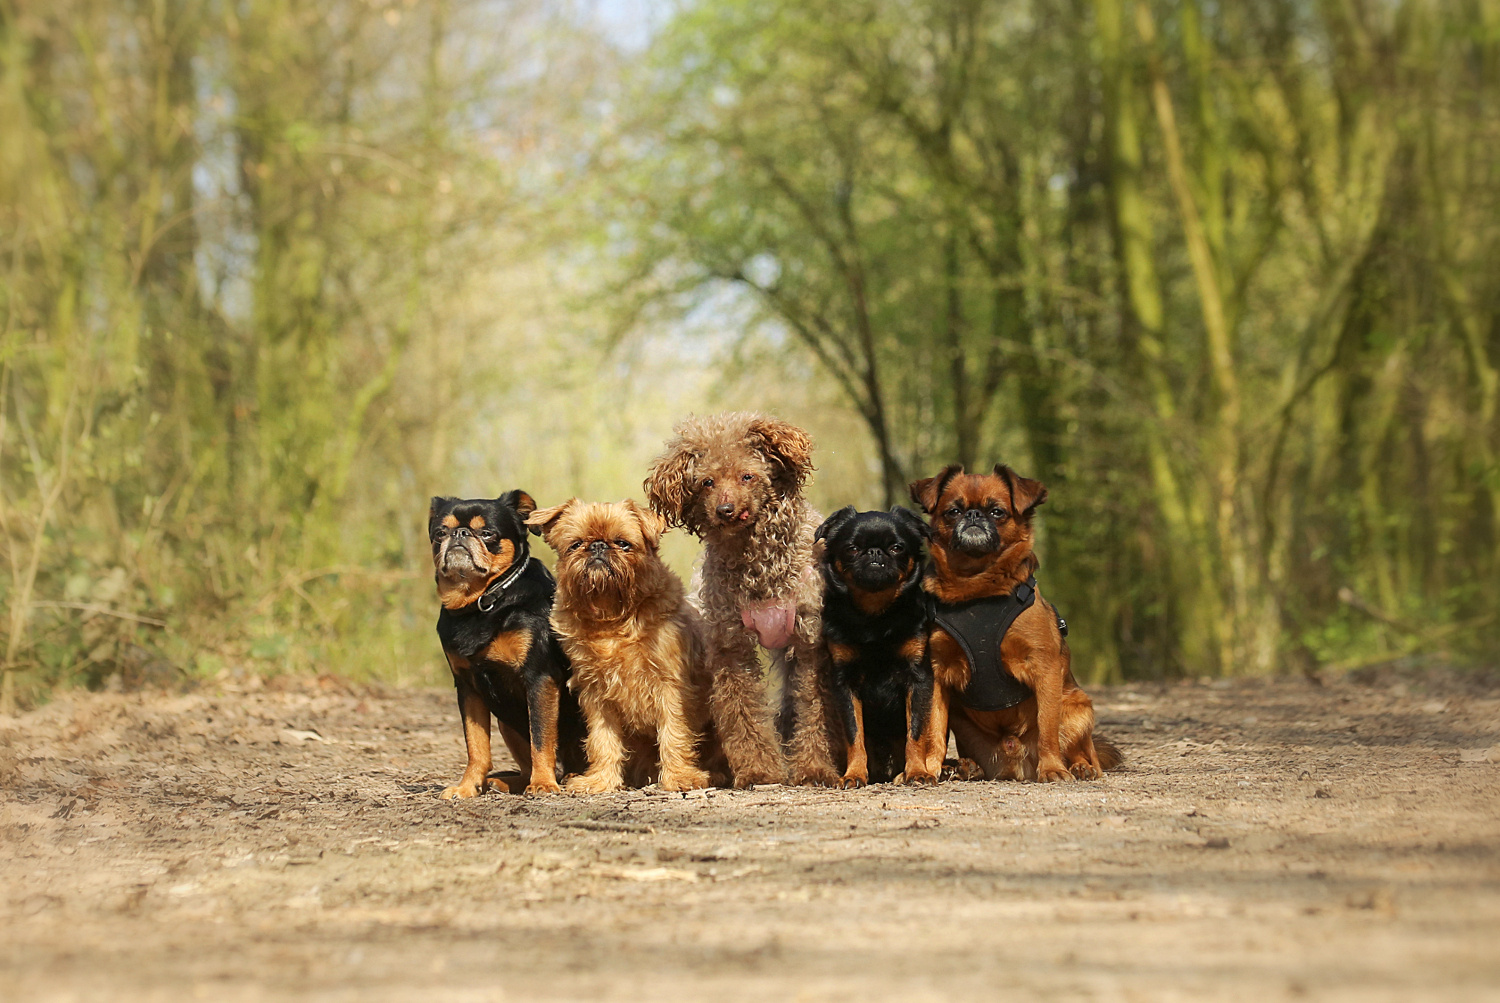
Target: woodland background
column 1225, row 276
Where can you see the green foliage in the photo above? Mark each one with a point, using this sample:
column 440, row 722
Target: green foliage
column 271, row 273
column 230, row 338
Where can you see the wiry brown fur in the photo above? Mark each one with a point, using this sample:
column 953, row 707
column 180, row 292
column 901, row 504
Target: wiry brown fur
column 638, row 665
column 1049, row 736
column 735, row 480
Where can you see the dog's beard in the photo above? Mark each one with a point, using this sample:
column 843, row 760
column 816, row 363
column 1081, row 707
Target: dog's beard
column 604, row 577
column 975, row 540
column 455, row 565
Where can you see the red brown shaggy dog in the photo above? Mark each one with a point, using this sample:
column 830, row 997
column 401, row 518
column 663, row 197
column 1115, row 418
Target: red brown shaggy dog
column 735, row 480
column 982, row 547
column 634, row 641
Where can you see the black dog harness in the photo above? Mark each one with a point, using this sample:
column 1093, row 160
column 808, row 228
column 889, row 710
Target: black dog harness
column 979, row 627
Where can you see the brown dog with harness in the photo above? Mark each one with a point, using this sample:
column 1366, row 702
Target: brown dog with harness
column 1002, row 678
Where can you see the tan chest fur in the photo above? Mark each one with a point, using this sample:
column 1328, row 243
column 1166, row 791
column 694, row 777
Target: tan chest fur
column 632, row 671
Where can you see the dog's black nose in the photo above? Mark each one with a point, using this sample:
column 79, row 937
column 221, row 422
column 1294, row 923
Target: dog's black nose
column 725, row 511
column 598, row 547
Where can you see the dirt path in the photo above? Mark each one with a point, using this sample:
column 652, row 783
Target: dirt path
column 1268, row 840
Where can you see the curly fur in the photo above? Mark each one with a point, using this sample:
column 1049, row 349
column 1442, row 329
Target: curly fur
column 735, row 480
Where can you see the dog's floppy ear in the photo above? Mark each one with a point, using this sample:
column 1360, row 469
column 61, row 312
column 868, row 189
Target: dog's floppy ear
column 787, row 446
column 652, row 524
column 519, row 500
column 906, row 517
column 670, row 485
column 543, row 520
column 835, row 522
column 927, row 491
column 1026, row 494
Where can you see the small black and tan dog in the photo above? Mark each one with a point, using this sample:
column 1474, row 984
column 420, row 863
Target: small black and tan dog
column 505, row 659
column 875, row 627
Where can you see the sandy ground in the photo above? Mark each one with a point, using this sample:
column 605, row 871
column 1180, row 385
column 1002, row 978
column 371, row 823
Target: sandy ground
column 1268, row 840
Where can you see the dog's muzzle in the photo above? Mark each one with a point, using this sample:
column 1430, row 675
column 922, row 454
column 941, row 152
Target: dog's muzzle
column 598, row 559
column 875, row 571
column 456, row 559
column 975, row 534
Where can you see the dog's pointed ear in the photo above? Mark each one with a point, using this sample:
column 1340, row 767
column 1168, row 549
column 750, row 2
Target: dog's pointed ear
column 438, row 502
column 670, row 484
column 652, row 524
column 835, row 522
column 906, row 517
column 543, row 521
column 927, row 491
column 788, row 447
column 1026, row 494
column 519, row 500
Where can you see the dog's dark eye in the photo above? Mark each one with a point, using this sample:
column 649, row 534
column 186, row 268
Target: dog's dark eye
column 999, row 514
column 851, row 550
column 896, row 548
column 953, row 513
column 438, row 534
column 576, row 545
column 623, row 544
column 487, row 535
column 747, row 478
column 708, row 482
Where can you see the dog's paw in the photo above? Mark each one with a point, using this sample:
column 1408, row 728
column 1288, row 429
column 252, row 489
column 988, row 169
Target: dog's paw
column 1051, row 773
column 816, row 777
column 962, row 769
column 853, row 782
column 591, row 785
column 919, row 778
column 685, row 780
column 752, row 778
column 1084, row 770
column 463, row 789
column 543, row 787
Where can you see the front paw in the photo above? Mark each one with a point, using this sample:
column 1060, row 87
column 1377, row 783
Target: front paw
column 1053, row 773
column 464, row 789
column 962, row 769
column 684, row 780
column 544, row 786
column 919, row 777
column 854, row 781
column 754, row 778
column 592, row 785
column 1084, row 770
column 816, row 776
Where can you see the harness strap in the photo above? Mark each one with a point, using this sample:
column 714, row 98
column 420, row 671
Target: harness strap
column 979, row 626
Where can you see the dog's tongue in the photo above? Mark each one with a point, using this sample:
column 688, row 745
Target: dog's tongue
column 773, row 624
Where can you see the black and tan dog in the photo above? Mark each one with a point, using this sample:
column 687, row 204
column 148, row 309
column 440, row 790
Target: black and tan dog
column 875, row 626
column 505, row 659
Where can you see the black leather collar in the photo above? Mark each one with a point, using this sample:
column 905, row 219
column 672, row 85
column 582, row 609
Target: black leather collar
column 493, row 592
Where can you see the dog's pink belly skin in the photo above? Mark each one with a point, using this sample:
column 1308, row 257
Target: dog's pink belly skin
column 773, row 625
